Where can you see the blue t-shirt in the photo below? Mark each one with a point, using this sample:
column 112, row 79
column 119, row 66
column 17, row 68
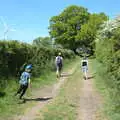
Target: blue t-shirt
column 25, row 76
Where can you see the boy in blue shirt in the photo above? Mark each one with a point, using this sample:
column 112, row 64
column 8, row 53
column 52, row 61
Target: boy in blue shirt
column 24, row 81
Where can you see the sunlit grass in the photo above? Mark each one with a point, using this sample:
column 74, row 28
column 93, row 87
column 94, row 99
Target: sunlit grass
column 109, row 110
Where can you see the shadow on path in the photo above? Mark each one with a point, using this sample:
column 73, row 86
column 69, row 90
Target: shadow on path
column 35, row 99
column 90, row 77
column 38, row 99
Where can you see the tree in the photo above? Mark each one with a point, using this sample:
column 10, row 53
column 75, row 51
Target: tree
column 65, row 27
column 86, row 36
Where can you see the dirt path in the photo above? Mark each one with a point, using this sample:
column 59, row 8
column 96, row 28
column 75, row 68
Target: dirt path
column 90, row 101
column 88, row 107
column 43, row 97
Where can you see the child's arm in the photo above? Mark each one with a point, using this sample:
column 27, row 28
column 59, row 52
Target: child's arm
column 55, row 60
column 29, row 83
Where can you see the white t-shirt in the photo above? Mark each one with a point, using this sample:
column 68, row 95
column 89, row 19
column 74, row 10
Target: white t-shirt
column 84, row 63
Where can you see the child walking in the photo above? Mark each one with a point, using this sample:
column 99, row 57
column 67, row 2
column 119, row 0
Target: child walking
column 59, row 65
column 84, row 64
column 24, row 81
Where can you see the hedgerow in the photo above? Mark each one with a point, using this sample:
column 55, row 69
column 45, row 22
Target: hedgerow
column 15, row 55
column 108, row 54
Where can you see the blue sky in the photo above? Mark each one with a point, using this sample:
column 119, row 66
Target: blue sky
column 30, row 18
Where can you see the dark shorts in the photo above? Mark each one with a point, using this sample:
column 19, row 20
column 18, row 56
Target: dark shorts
column 58, row 67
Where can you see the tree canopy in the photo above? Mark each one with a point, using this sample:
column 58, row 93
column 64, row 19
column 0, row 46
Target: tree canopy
column 64, row 27
column 75, row 27
column 86, row 36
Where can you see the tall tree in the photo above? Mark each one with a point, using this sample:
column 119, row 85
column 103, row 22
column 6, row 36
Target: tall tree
column 65, row 27
column 86, row 36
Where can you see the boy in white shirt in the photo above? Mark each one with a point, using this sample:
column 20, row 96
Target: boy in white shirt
column 84, row 65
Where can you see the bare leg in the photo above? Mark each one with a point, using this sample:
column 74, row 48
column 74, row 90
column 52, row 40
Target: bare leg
column 85, row 75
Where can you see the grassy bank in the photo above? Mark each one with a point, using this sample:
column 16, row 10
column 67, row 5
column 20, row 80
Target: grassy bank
column 64, row 107
column 108, row 94
column 9, row 104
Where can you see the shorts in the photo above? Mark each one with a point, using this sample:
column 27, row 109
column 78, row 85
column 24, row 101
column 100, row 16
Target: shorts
column 58, row 67
column 84, row 68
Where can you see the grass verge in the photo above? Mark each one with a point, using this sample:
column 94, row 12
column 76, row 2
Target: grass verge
column 109, row 109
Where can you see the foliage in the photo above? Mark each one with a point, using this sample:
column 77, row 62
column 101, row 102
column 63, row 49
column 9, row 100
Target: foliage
column 87, row 34
column 108, row 54
column 12, row 55
column 64, row 27
column 76, row 28
column 15, row 55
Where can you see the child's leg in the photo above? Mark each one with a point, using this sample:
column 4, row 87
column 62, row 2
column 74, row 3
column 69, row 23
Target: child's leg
column 85, row 75
column 57, row 71
column 86, row 72
column 19, row 90
column 23, row 90
column 60, row 70
column 83, row 71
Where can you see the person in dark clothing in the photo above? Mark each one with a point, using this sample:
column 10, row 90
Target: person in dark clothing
column 59, row 64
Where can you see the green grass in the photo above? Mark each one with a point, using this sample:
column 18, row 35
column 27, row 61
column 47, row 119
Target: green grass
column 65, row 104
column 109, row 109
column 9, row 106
